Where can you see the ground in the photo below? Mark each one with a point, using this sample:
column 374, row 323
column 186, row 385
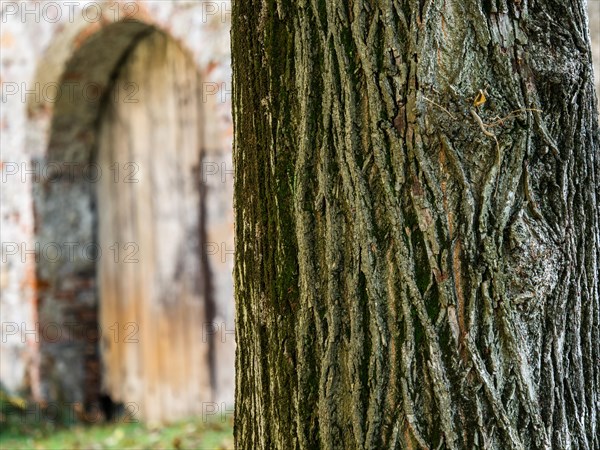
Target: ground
column 193, row 434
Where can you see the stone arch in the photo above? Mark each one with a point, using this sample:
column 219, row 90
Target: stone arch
column 65, row 141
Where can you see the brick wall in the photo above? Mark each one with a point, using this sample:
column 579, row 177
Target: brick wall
column 40, row 291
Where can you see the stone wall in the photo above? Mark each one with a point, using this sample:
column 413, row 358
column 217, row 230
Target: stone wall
column 43, row 290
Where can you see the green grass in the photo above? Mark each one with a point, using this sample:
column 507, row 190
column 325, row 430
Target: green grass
column 190, row 434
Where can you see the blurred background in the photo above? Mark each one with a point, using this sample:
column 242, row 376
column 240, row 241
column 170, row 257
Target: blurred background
column 117, row 224
column 117, row 220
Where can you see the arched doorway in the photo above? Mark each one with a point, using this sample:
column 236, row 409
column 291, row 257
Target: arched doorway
column 130, row 191
column 151, row 293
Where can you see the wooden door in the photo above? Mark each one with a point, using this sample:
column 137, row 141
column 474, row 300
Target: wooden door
column 152, row 306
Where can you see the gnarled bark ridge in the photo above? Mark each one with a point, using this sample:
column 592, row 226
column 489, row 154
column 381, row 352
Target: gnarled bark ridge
column 418, row 228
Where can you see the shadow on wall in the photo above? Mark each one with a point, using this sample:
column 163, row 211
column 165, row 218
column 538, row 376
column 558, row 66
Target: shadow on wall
column 125, row 300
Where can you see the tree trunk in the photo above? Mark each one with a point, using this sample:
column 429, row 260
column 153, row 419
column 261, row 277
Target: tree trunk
column 417, row 225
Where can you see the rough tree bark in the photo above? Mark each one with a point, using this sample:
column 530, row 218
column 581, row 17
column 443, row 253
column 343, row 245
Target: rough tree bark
column 417, row 225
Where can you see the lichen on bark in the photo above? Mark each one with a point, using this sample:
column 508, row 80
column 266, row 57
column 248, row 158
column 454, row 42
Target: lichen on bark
column 416, row 267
